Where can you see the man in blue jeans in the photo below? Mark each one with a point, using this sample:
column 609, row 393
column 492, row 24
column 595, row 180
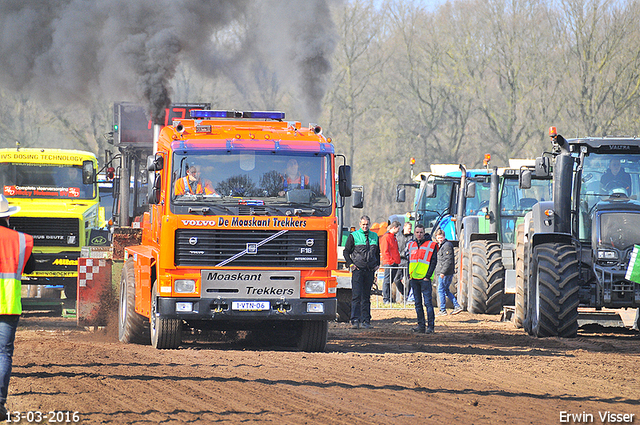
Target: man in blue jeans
column 422, row 262
column 444, row 272
column 15, row 259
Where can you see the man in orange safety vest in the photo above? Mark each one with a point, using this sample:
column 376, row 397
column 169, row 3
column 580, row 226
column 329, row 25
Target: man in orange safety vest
column 15, row 259
column 192, row 184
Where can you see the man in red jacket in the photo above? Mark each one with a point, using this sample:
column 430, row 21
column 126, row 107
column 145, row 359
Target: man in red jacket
column 390, row 259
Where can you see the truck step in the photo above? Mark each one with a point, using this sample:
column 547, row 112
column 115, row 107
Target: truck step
column 507, row 313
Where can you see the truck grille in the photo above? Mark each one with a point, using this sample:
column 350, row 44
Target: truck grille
column 293, row 249
column 61, row 232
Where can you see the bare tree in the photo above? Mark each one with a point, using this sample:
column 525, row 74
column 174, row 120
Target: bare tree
column 520, row 74
column 601, row 62
column 357, row 61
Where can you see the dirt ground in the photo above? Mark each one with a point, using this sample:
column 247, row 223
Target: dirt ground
column 473, row 370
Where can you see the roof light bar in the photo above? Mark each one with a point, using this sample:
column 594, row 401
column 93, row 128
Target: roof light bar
column 273, row 115
column 200, row 113
column 203, row 113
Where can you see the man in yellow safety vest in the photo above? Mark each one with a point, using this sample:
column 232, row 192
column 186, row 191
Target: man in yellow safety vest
column 422, row 262
column 15, row 259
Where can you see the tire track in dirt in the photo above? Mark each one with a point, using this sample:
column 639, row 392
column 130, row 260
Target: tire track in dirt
column 474, row 369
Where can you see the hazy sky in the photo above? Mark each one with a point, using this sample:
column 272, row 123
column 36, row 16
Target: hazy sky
column 432, row 3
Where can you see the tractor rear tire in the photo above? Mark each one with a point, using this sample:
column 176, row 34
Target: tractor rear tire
column 554, row 300
column 314, row 335
column 521, row 294
column 343, row 313
column 132, row 327
column 166, row 333
column 487, row 278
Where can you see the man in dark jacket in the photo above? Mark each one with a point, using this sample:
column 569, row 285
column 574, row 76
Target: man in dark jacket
column 362, row 256
column 445, row 269
column 616, row 176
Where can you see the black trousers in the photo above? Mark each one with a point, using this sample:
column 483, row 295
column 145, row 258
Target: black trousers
column 361, row 282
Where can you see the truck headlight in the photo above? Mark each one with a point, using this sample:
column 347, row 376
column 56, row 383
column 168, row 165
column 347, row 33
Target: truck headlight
column 314, row 286
column 607, row 255
column 184, row 286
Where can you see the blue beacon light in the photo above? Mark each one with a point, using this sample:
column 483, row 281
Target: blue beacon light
column 199, row 113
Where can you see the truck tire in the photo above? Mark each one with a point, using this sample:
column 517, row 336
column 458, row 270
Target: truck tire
column 131, row 325
column 344, row 305
column 50, row 293
column 71, row 291
column 521, row 295
column 487, row 278
column 435, row 302
column 314, row 335
column 453, row 288
column 465, row 270
column 165, row 333
column 554, row 299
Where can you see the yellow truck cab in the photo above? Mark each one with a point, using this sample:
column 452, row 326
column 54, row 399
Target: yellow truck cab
column 57, row 193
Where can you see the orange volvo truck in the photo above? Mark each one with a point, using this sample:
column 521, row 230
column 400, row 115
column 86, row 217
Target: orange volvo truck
column 241, row 232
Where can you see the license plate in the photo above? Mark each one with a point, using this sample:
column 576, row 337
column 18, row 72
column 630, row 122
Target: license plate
column 250, row 305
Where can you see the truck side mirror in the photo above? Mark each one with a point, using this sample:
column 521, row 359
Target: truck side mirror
column 154, row 195
column 155, row 163
column 401, row 194
column 430, row 190
column 358, row 199
column 543, row 167
column 471, row 190
column 344, row 180
column 88, row 173
column 524, row 180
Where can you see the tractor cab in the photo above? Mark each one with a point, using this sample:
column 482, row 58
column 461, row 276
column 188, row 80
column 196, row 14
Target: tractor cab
column 609, row 223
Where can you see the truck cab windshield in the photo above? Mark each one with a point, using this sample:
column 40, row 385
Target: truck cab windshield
column 269, row 183
column 44, row 181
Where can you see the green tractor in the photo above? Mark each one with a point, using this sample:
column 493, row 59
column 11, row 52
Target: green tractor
column 487, row 242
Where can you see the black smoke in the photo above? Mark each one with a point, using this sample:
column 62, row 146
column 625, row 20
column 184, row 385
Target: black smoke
column 72, row 51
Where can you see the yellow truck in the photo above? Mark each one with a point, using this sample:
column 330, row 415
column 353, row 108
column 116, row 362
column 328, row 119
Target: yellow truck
column 58, row 196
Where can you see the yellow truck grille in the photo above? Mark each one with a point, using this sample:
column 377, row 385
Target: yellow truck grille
column 52, row 232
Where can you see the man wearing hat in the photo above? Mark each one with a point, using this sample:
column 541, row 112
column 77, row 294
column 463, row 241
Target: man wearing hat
column 15, row 259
